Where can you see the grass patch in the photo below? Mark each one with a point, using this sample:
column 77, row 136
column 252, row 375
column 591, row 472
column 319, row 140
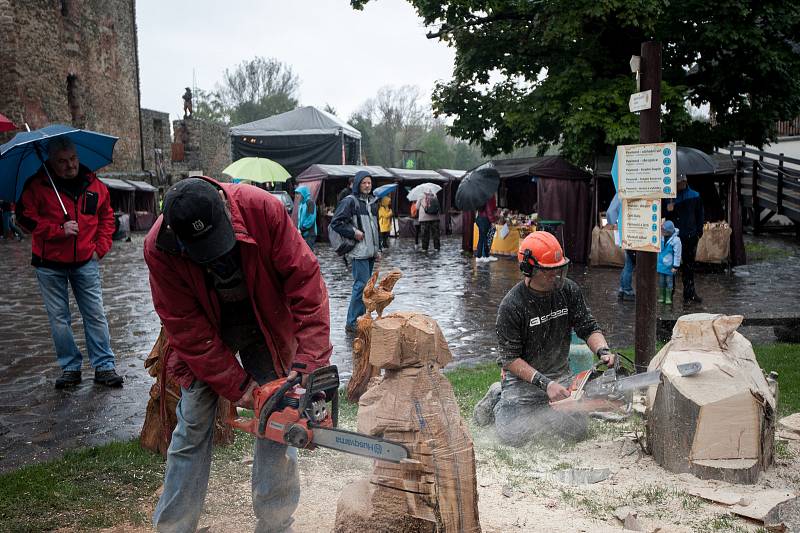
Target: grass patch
column 88, row 488
column 470, row 384
column 783, row 358
column 758, row 251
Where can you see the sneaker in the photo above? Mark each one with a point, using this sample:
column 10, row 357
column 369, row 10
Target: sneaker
column 69, row 378
column 109, row 378
column 491, row 258
column 627, row 296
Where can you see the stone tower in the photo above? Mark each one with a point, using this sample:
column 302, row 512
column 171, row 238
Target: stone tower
column 73, row 62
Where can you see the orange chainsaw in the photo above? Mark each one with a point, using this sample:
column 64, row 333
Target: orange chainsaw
column 612, row 389
column 287, row 413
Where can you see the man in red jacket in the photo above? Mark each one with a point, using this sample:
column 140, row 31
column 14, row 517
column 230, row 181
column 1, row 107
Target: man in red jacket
column 230, row 273
column 66, row 251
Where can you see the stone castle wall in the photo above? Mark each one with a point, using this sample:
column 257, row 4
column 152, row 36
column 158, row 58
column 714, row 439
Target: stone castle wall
column 73, row 62
column 206, row 148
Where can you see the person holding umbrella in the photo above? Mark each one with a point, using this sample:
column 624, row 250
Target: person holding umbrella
column 68, row 211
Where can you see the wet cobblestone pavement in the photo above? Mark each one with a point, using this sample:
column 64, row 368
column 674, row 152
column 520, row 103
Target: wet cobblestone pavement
column 38, row 422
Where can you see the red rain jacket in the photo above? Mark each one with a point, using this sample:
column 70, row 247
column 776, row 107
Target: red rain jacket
column 39, row 212
column 287, row 291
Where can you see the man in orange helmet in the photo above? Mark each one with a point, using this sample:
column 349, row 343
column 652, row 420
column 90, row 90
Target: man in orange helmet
column 534, row 326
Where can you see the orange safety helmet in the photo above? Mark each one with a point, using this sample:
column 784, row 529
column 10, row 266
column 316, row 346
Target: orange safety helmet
column 542, row 250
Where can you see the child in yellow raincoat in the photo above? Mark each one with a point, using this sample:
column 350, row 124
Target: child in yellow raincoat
column 385, row 220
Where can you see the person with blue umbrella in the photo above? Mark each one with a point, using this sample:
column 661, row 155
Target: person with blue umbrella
column 68, row 211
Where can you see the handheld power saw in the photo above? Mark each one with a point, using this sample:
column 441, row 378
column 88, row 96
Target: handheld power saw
column 612, row 390
column 287, row 413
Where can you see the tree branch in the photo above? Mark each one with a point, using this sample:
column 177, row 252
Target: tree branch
column 445, row 28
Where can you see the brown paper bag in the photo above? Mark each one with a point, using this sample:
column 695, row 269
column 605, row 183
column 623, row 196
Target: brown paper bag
column 715, row 244
column 604, row 251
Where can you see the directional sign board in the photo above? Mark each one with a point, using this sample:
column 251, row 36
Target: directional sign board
column 640, row 101
column 641, row 225
column 646, row 170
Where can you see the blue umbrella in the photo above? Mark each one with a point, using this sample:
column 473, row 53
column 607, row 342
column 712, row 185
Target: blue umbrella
column 385, row 190
column 22, row 156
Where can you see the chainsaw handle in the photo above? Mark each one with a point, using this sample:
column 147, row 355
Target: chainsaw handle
column 272, row 402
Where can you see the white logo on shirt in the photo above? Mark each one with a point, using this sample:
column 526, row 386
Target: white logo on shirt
column 536, row 321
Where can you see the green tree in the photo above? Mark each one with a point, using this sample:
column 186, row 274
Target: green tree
column 438, row 153
column 254, row 89
column 207, row 106
column 543, row 73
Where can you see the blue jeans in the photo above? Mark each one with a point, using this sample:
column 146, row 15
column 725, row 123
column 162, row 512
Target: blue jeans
column 626, row 278
column 85, row 281
column 483, row 236
column 666, row 281
column 362, row 270
column 275, row 481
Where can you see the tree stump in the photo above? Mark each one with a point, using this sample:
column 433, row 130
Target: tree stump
column 720, row 423
column 413, row 403
column 160, row 419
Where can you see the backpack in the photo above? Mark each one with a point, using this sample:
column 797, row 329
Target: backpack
column 433, row 207
column 342, row 245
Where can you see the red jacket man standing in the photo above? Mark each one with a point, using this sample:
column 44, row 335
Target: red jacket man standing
column 66, row 251
column 230, row 273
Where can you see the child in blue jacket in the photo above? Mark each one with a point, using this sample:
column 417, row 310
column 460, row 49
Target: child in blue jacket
column 669, row 259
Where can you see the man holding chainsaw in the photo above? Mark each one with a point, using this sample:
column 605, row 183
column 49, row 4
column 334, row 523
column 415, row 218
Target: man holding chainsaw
column 534, row 326
column 230, row 274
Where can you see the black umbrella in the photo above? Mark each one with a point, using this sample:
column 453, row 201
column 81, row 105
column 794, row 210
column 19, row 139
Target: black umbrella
column 692, row 161
column 476, row 188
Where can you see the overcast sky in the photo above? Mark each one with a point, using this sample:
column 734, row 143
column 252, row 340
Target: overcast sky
column 341, row 56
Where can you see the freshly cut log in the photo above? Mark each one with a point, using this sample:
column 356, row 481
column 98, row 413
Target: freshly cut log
column 720, row 423
column 413, row 403
column 160, row 419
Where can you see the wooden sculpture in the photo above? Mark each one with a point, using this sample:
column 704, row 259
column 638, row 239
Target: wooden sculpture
column 160, row 419
column 720, row 423
column 413, row 403
column 376, row 298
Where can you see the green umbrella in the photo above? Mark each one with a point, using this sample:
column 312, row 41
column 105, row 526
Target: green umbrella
column 257, row 169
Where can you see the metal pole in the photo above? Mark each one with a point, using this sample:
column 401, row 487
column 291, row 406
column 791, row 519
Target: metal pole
column 649, row 132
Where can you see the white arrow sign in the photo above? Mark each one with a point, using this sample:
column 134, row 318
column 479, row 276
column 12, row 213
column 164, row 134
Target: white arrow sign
column 640, row 101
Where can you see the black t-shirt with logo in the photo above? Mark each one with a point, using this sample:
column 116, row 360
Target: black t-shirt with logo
column 536, row 326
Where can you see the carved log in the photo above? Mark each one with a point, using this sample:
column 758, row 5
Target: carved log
column 413, row 403
column 720, row 423
column 157, row 429
column 376, row 297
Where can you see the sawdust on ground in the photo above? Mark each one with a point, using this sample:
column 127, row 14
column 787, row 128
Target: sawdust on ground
column 517, row 490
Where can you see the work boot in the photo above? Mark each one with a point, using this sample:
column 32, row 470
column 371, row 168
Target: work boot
column 109, row 378
column 661, row 294
column 667, row 296
column 69, row 378
column 483, row 414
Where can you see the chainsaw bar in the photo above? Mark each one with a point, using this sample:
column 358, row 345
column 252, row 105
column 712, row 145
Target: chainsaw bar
column 358, row 444
column 600, row 386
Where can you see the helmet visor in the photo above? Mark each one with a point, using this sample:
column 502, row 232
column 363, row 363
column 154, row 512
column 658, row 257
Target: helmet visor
column 550, row 278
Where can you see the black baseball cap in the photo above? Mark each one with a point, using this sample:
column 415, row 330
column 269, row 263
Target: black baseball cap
column 194, row 210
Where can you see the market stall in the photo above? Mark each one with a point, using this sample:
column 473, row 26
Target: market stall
column 407, row 179
column 144, row 205
column 718, row 190
column 534, row 189
column 298, row 138
column 454, row 215
column 122, row 202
